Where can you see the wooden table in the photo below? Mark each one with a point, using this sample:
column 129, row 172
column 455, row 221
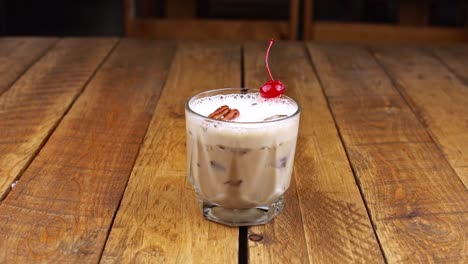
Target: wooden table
column 93, row 168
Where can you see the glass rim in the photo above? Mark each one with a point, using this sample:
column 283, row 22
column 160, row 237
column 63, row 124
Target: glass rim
column 242, row 91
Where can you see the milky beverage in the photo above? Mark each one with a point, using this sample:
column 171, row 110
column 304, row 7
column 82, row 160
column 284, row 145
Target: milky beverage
column 247, row 162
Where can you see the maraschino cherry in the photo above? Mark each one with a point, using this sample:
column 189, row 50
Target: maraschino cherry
column 272, row 88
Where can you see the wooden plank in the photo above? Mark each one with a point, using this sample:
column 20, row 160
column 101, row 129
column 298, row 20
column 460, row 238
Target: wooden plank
column 32, row 107
column 17, row 55
column 159, row 219
column 374, row 33
column 455, row 57
column 63, row 206
column 418, row 204
column 436, row 95
column 325, row 220
column 212, row 29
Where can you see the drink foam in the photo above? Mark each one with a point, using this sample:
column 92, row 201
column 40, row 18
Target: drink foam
column 252, row 107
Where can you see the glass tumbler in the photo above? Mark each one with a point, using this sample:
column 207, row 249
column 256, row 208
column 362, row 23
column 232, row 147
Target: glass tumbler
column 240, row 170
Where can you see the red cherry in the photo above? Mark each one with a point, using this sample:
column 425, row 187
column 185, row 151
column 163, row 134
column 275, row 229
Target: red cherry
column 272, row 88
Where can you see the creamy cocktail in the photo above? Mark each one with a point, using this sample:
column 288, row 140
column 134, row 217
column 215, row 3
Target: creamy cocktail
column 241, row 167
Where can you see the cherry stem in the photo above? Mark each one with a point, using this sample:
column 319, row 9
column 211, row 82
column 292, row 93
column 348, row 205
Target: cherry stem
column 266, row 58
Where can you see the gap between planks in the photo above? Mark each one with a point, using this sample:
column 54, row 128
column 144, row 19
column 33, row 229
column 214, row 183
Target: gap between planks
column 43, row 44
column 93, row 212
column 372, row 83
column 134, row 161
column 414, row 108
column 243, row 243
column 460, row 77
column 28, row 66
column 356, row 178
column 31, row 158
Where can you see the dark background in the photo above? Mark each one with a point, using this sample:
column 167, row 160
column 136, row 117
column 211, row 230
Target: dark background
column 105, row 17
column 62, row 18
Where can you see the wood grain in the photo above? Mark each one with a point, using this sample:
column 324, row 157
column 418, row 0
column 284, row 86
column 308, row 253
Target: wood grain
column 32, row 107
column 159, row 220
column 325, row 220
column 17, row 54
column 416, row 200
column 436, row 93
column 63, row 206
column 455, row 57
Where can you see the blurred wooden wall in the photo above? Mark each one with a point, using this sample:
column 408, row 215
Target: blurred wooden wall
column 412, row 27
column 181, row 20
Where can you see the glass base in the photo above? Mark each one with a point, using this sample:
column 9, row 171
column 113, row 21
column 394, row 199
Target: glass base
column 259, row 215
